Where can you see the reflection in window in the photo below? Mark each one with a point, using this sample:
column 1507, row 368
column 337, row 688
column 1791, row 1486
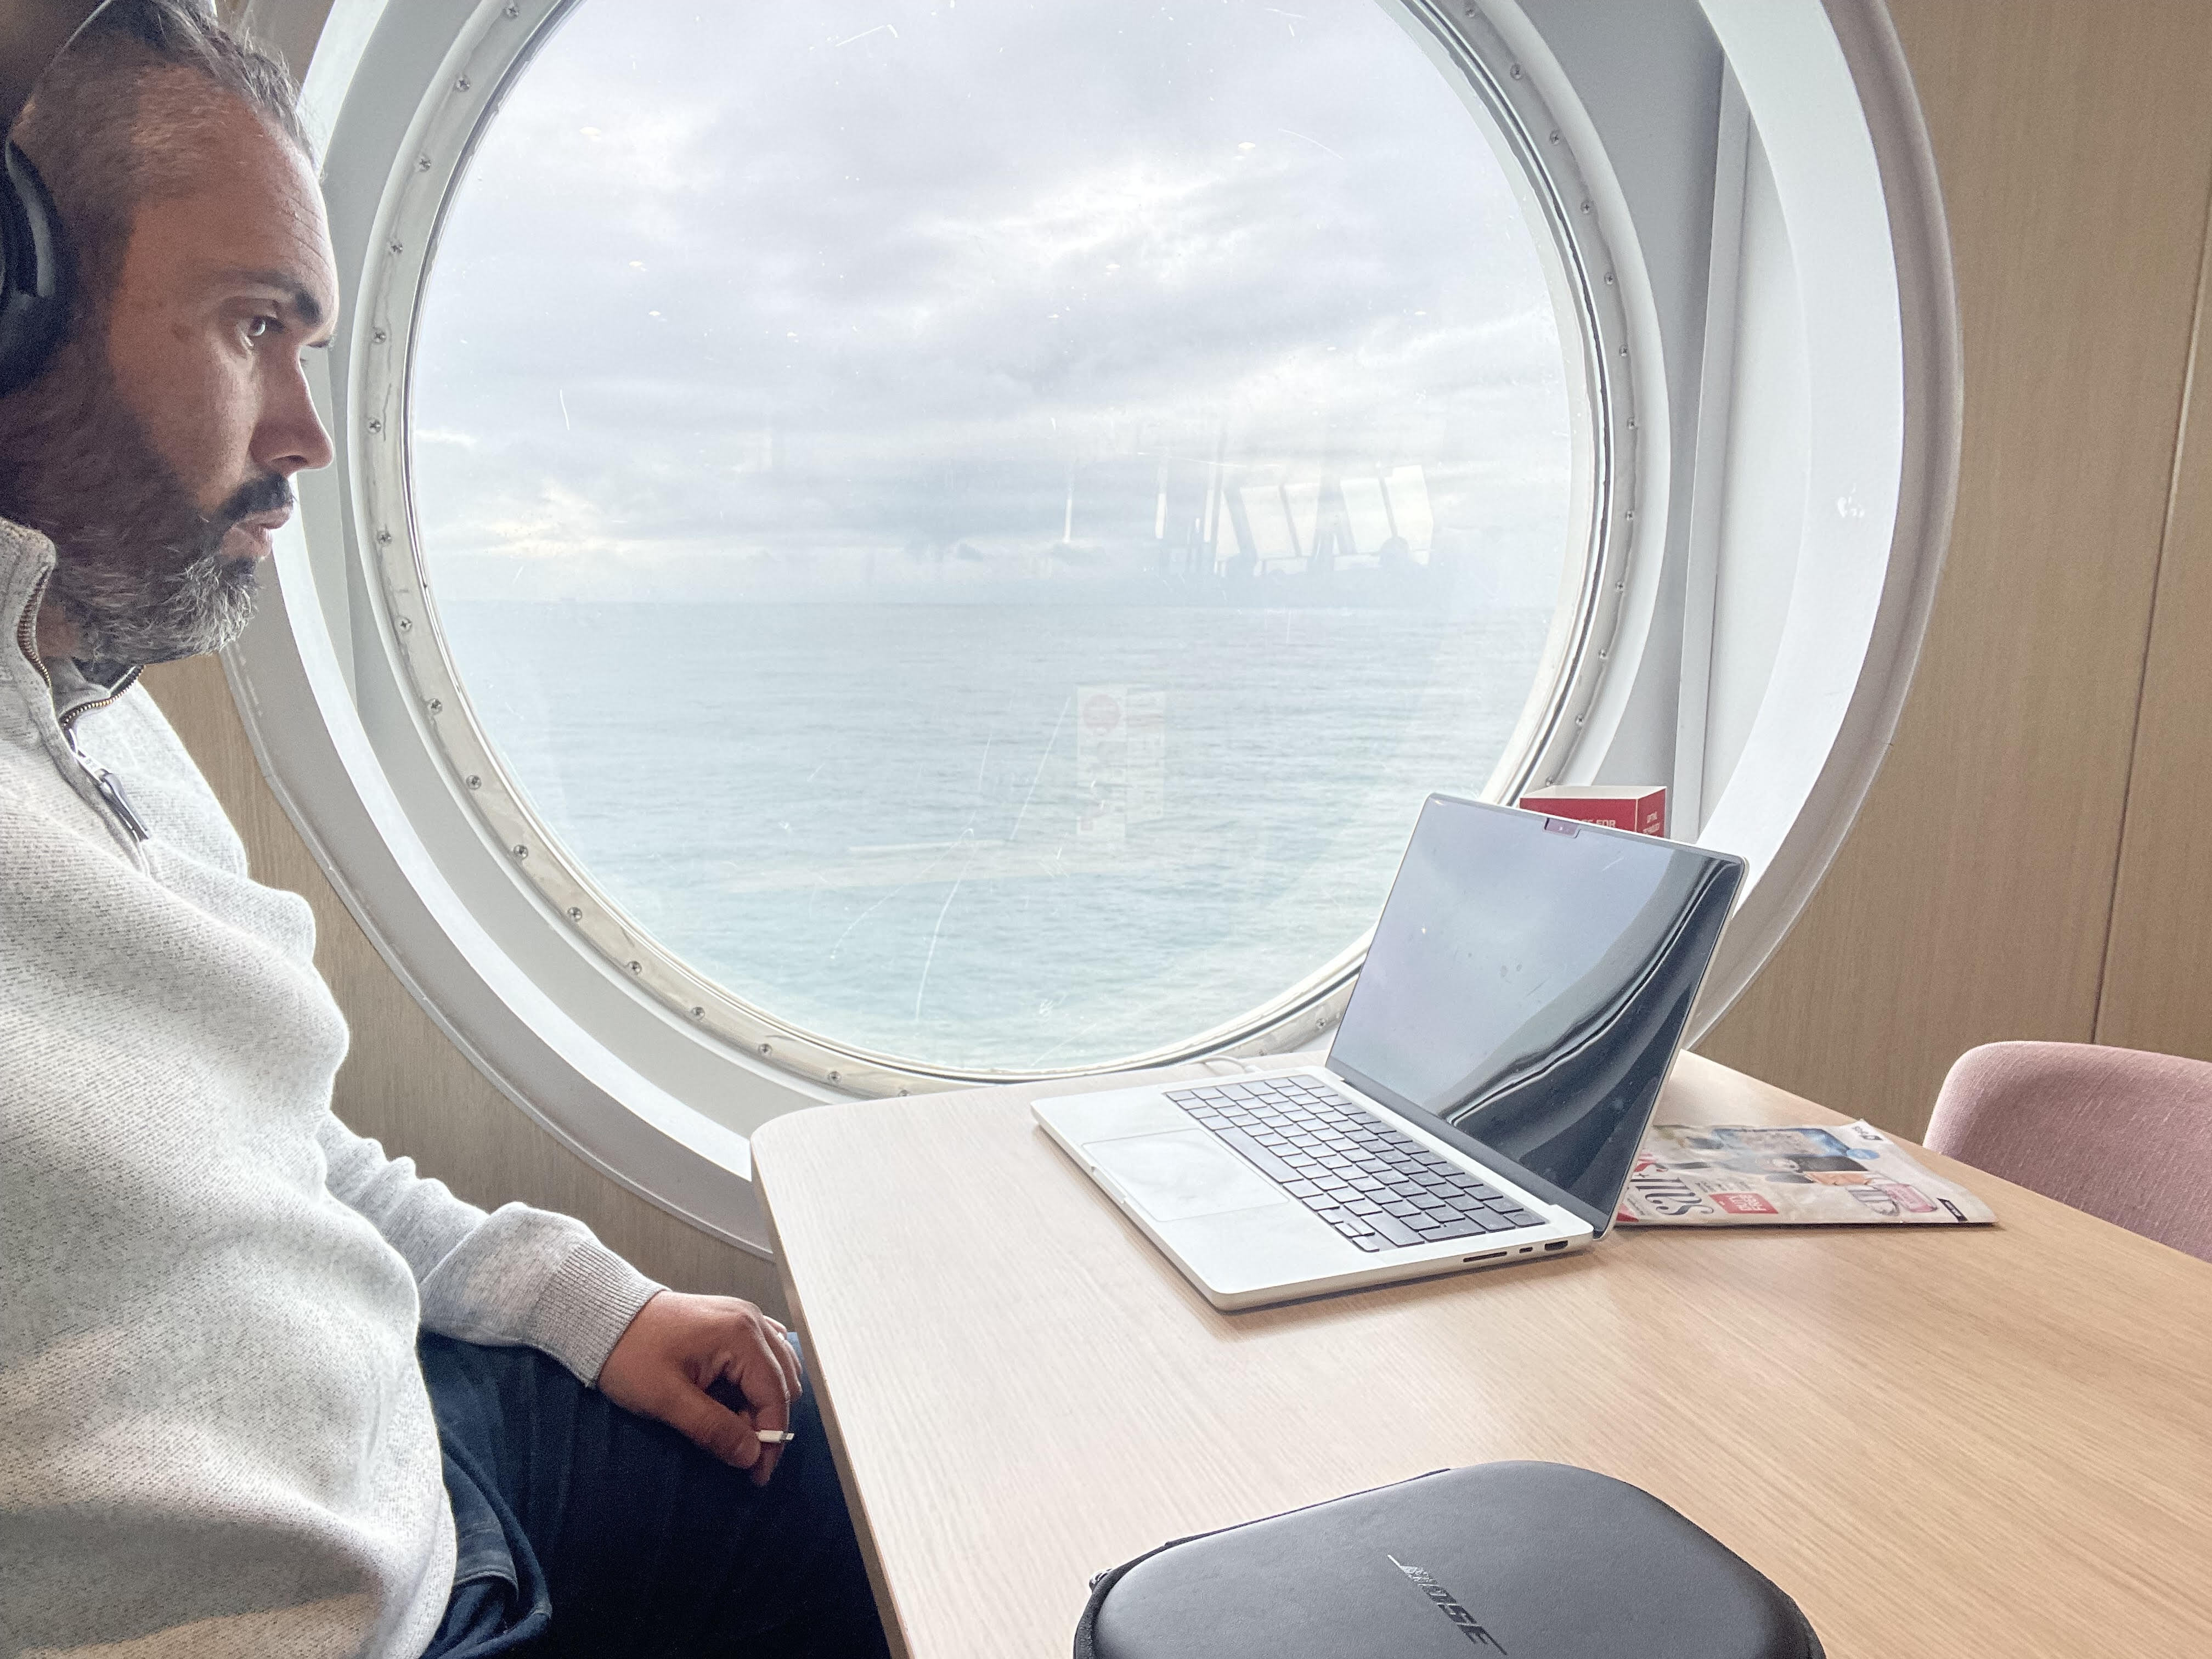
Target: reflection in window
column 978, row 525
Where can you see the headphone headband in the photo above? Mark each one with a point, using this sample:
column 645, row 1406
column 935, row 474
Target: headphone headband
column 33, row 34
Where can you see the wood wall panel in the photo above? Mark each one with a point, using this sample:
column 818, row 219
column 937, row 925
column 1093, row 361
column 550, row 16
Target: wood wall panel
column 1970, row 903
column 2158, row 960
column 405, row 1082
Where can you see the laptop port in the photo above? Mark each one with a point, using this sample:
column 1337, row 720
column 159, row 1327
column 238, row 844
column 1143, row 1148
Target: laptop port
column 1492, row 1256
column 1557, row 1244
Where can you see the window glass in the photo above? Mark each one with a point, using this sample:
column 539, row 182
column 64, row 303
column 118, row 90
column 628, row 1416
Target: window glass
column 977, row 524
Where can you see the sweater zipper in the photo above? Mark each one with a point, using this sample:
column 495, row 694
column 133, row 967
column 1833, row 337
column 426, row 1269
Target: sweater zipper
column 103, row 780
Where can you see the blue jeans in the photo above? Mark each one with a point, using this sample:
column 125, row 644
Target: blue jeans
column 586, row 1530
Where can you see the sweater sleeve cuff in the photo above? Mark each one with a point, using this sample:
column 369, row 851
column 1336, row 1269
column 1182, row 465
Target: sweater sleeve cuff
column 586, row 1306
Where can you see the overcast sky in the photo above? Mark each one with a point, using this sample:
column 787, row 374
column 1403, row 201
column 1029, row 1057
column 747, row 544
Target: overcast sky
column 731, row 293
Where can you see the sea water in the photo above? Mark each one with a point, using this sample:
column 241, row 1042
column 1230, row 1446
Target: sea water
column 994, row 835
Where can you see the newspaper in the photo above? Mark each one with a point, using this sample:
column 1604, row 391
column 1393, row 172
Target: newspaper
column 1695, row 1175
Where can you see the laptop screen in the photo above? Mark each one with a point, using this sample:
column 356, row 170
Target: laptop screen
column 1527, row 987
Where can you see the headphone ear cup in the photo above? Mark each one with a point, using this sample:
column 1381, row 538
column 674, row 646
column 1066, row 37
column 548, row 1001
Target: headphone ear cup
column 34, row 297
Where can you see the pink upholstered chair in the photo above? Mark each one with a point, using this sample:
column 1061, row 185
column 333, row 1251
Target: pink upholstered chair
column 2121, row 1134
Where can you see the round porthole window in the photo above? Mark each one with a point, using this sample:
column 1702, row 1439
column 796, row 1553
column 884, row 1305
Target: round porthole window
column 953, row 541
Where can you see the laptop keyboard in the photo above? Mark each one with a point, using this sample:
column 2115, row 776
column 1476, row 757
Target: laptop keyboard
column 1375, row 1186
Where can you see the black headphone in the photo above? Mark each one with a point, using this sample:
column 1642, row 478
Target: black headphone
column 34, row 264
column 34, row 288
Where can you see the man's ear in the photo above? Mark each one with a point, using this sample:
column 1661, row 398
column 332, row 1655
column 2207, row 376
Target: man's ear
column 31, row 34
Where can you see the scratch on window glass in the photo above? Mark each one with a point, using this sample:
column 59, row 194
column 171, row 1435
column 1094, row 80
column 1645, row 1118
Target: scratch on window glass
column 924, row 984
column 887, row 898
column 1314, row 141
column 1059, row 721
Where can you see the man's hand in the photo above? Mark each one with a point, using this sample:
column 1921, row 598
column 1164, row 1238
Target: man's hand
column 679, row 1346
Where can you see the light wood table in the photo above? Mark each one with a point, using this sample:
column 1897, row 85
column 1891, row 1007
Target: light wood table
column 1967, row 1442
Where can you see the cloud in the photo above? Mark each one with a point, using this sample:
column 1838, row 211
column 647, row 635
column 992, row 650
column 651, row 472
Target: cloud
column 741, row 287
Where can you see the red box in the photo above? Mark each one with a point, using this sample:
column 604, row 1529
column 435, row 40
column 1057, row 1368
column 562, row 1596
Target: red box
column 1642, row 808
column 1744, row 1204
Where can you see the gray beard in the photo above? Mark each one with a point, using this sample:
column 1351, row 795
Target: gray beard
column 140, row 573
column 155, row 613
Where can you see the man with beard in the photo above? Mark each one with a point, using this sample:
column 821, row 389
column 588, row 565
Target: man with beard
column 262, row 1388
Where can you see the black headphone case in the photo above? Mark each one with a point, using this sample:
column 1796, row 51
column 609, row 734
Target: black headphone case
column 1529, row 1560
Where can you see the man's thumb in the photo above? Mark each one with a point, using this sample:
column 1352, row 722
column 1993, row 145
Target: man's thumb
column 711, row 1426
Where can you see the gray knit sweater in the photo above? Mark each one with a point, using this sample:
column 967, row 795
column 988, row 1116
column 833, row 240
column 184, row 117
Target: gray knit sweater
column 214, row 1434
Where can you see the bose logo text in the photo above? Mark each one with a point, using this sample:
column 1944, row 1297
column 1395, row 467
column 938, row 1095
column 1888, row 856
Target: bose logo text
column 1448, row 1604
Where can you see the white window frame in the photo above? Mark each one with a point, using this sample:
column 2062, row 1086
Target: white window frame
column 490, row 50
column 344, row 730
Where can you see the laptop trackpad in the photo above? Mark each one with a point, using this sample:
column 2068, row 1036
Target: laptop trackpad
column 1173, row 1177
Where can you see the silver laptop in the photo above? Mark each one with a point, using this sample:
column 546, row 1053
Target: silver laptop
column 1491, row 1078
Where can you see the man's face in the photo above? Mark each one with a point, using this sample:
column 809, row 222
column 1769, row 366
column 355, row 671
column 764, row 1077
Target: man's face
column 160, row 462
